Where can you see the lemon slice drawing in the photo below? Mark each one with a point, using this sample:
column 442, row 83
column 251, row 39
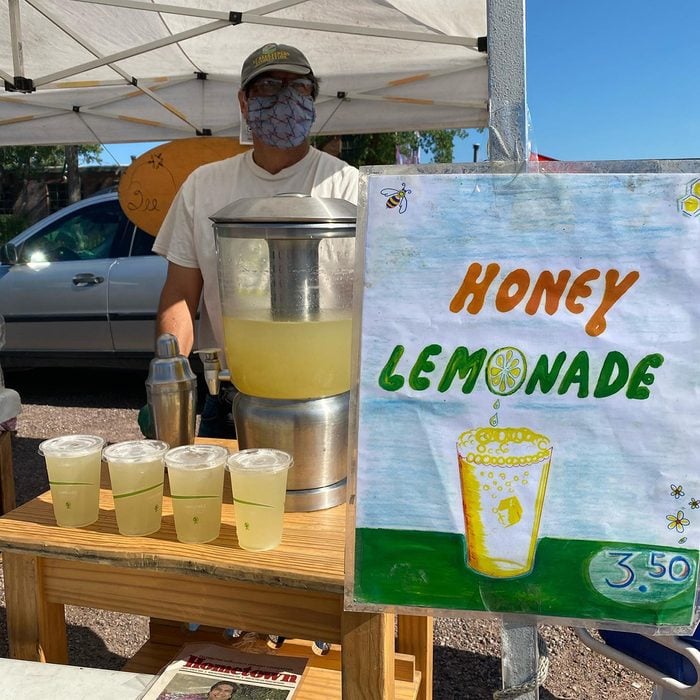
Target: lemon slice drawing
column 506, row 369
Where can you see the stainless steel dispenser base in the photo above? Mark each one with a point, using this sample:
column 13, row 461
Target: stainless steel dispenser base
column 304, row 500
column 313, row 431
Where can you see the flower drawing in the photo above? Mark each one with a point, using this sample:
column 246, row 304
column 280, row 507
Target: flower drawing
column 678, row 521
column 677, row 491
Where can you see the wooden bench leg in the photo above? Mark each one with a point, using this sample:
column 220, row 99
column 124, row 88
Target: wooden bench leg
column 36, row 628
column 415, row 637
column 7, row 476
column 367, row 649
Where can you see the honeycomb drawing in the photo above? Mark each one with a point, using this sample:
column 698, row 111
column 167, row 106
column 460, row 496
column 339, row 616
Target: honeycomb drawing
column 690, row 204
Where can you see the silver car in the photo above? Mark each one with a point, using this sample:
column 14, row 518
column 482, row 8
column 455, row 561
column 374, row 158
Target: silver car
column 80, row 288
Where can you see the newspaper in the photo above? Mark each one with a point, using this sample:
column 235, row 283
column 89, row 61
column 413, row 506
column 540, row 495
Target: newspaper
column 211, row 672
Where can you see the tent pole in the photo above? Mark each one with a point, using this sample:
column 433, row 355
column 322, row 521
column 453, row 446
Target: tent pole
column 508, row 121
column 508, row 141
column 134, row 51
column 16, row 38
column 257, row 16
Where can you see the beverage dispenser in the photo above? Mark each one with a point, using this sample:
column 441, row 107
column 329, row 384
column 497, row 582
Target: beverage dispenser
column 286, row 269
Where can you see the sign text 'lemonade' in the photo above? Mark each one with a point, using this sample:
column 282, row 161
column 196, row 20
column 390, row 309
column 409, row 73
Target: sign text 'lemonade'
column 507, row 370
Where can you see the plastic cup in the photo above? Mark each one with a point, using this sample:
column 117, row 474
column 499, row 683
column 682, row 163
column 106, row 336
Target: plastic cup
column 259, row 484
column 136, row 470
column 73, row 464
column 196, row 475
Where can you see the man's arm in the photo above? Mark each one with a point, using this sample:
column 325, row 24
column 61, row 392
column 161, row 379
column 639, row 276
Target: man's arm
column 178, row 304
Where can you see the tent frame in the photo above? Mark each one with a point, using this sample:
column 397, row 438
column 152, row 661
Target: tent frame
column 189, row 124
column 508, row 137
column 222, row 19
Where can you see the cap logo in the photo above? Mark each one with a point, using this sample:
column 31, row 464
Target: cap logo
column 270, row 53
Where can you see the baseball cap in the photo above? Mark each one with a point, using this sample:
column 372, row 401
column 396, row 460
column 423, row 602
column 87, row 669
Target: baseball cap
column 274, row 57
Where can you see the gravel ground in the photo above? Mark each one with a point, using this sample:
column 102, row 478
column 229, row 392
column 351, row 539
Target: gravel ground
column 467, row 651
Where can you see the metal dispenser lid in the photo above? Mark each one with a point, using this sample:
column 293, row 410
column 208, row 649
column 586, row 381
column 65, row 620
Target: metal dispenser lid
column 290, row 211
column 293, row 226
column 168, row 366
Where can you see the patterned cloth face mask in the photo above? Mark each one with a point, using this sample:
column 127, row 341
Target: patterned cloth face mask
column 283, row 120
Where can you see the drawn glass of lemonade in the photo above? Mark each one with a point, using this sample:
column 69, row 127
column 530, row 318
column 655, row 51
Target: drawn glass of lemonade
column 136, row 470
column 503, row 473
column 73, row 464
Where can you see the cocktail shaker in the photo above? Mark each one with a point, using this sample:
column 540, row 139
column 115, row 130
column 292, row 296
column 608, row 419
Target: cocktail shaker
column 171, row 390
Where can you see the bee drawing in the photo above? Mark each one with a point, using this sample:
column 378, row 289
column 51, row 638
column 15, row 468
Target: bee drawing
column 396, row 198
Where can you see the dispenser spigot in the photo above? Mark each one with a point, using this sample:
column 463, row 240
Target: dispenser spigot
column 213, row 374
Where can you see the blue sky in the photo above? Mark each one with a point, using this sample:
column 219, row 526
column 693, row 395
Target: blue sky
column 606, row 79
column 611, row 79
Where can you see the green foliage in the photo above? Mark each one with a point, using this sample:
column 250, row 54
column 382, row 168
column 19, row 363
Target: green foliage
column 20, row 164
column 25, row 162
column 10, row 226
column 369, row 149
column 381, row 149
column 440, row 143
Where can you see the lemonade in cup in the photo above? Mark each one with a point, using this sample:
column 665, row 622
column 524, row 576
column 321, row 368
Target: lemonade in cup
column 73, row 464
column 196, row 475
column 259, row 485
column 136, row 470
column 503, row 472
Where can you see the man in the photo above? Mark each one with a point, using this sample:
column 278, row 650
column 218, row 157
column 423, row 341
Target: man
column 278, row 90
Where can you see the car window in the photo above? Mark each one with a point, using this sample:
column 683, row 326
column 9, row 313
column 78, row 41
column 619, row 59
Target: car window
column 142, row 244
column 83, row 235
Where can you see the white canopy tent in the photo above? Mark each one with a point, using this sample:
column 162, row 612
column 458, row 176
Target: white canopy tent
column 105, row 71
column 108, row 71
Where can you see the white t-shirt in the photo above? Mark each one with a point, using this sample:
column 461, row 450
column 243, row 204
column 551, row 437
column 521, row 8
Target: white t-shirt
column 186, row 236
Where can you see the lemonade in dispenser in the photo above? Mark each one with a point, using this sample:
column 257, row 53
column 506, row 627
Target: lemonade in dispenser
column 285, row 279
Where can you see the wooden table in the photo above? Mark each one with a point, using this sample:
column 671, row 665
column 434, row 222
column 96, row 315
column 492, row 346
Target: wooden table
column 295, row 591
column 7, row 477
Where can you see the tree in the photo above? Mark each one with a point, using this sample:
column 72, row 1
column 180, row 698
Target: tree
column 440, row 143
column 381, row 149
column 25, row 162
column 71, row 168
column 21, row 164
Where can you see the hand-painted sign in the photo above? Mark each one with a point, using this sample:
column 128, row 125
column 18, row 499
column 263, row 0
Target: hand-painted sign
column 528, row 423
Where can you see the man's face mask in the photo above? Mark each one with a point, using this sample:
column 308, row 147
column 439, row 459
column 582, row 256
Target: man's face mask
column 283, row 120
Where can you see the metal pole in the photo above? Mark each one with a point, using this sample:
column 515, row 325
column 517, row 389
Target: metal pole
column 508, row 123
column 508, row 141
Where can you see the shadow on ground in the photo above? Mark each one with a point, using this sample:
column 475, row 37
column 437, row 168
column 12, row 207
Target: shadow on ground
column 85, row 388
column 465, row 675
column 30, row 473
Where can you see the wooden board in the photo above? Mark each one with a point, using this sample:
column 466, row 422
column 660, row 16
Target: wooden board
column 311, row 551
column 312, row 546
column 150, row 183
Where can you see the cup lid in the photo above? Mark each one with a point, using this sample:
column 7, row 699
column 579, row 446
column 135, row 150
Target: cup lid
column 195, row 456
column 71, row 445
column 135, row 450
column 262, row 459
